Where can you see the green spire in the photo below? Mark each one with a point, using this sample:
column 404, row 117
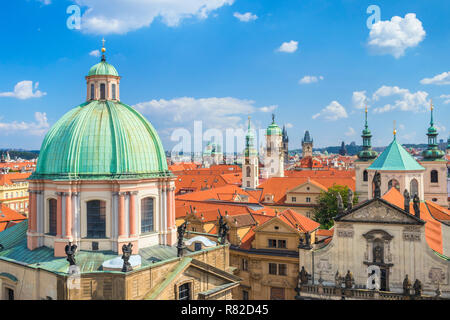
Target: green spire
column 432, row 152
column 367, row 154
column 249, row 142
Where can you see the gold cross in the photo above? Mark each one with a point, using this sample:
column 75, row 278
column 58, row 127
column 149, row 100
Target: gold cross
column 103, row 42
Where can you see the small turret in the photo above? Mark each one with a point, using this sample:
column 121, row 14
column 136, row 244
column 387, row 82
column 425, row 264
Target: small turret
column 432, row 152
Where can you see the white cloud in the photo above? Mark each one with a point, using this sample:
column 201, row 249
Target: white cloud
column 332, row 112
column 289, row 125
column 350, row 132
column 121, row 16
column 245, row 17
column 359, row 99
column 396, row 35
column 440, row 79
column 310, row 79
column 407, row 101
column 268, row 108
column 37, row 128
column 95, row 53
column 289, row 47
column 446, row 97
column 217, row 113
column 24, row 90
column 45, row 2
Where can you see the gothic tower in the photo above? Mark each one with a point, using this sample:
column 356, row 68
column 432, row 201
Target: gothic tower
column 365, row 158
column 307, row 145
column 250, row 172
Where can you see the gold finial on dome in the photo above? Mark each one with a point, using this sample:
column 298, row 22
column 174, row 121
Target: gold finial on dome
column 395, row 130
column 103, row 45
column 431, row 104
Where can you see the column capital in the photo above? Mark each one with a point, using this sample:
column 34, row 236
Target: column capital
column 58, row 193
column 76, row 193
column 132, row 193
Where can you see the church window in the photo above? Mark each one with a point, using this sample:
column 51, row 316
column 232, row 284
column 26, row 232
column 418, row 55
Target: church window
column 434, row 176
column 393, row 183
column 308, row 199
column 248, row 170
column 184, row 292
column 147, row 215
column 9, row 294
column 294, row 199
column 96, row 219
column 365, row 176
column 113, row 91
column 102, row 91
column 92, row 92
column 414, row 187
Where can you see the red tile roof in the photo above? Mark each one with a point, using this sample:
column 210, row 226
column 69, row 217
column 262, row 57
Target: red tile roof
column 298, row 221
column 8, row 216
column 10, row 178
column 230, row 193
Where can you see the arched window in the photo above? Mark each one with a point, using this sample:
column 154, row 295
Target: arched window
column 102, row 91
column 113, row 91
column 413, row 187
column 147, row 215
column 92, row 91
column 434, row 176
column 365, row 176
column 248, row 170
column 96, row 219
column 393, row 183
column 52, row 217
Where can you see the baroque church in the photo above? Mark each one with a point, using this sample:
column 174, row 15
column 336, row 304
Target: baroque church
column 395, row 243
column 102, row 213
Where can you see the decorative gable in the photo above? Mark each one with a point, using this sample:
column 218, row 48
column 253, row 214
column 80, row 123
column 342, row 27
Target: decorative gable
column 379, row 211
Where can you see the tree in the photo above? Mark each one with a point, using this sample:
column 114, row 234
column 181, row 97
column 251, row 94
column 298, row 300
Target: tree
column 327, row 207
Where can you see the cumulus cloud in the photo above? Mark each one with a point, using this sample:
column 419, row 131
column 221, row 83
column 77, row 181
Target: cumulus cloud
column 95, row 53
column 215, row 112
column 245, row 17
column 288, row 47
column 359, row 99
column 310, row 79
column 122, row 16
column 440, row 79
column 334, row 111
column 38, row 128
column 446, row 97
column 406, row 100
column 24, row 90
column 396, row 35
column 350, row 132
column 289, row 125
column 268, row 108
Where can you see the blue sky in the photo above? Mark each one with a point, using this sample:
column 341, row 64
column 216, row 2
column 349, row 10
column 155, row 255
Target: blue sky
column 220, row 61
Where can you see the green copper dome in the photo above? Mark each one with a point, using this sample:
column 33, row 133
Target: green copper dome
column 395, row 158
column 101, row 140
column 103, row 68
column 273, row 129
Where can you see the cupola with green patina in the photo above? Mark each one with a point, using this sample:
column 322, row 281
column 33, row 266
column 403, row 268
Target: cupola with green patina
column 432, row 152
column 367, row 154
column 273, row 129
column 102, row 139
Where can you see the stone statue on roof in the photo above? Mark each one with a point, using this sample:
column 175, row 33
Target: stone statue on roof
column 223, row 229
column 349, row 280
column 406, row 286
column 70, row 250
column 417, row 287
column 340, row 203
column 416, row 205
column 377, row 185
column 407, row 199
column 126, row 254
column 181, row 230
column 349, row 199
column 303, row 276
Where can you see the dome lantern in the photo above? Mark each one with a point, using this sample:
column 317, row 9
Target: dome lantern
column 103, row 81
